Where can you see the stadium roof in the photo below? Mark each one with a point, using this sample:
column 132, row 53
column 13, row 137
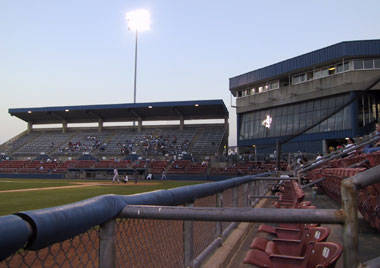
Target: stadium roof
column 153, row 111
column 347, row 49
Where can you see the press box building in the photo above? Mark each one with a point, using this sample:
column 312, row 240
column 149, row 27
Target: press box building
column 299, row 92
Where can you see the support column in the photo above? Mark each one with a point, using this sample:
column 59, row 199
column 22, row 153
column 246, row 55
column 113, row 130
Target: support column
column 139, row 125
column 30, row 127
column 325, row 150
column 100, row 125
column 226, row 125
column 64, row 126
column 181, row 123
column 351, row 225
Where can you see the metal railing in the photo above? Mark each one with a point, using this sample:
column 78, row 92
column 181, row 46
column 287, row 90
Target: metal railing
column 347, row 216
column 126, row 242
column 336, row 155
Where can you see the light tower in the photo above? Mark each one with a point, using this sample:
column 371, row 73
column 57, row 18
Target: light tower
column 138, row 21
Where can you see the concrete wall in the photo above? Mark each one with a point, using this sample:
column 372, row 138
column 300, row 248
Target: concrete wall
column 318, row 88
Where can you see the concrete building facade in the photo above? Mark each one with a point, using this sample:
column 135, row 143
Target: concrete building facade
column 340, row 82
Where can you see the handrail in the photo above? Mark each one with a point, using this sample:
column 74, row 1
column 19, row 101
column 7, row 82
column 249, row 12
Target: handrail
column 336, row 155
column 274, row 215
column 366, row 178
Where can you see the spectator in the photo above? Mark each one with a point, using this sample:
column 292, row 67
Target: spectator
column 350, row 143
column 374, row 147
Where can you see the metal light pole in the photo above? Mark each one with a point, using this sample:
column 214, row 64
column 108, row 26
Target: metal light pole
column 134, row 88
column 138, row 21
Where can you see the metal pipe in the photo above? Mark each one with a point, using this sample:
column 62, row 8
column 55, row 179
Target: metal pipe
column 219, row 204
column 235, row 197
column 337, row 155
column 359, row 164
column 207, row 252
column 251, row 193
column 350, row 225
column 278, row 155
column 107, row 236
column 274, row 215
column 265, row 196
column 245, row 195
column 313, row 183
column 274, row 178
column 188, row 238
column 134, row 87
column 229, row 229
column 368, row 177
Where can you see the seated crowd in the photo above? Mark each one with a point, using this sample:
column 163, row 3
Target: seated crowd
column 151, row 144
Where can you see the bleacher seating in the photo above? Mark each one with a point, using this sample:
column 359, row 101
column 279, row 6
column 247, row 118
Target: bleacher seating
column 209, row 139
column 150, row 141
column 186, row 167
column 32, row 167
column 249, row 168
column 334, row 171
column 157, row 166
column 296, row 245
column 45, row 142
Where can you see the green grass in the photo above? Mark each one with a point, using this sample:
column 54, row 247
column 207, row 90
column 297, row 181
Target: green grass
column 22, row 201
column 15, row 184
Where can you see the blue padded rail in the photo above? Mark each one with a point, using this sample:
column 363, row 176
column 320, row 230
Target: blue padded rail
column 14, row 234
column 57, row 224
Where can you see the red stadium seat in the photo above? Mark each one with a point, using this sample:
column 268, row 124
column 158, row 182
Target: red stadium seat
column 317, row 254
column 291, row 247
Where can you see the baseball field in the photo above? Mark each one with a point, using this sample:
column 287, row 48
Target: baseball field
column 28, row 194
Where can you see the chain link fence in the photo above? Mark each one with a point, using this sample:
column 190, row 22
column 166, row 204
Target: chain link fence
column 149, row 243
column 80, row 251
column 142, row 242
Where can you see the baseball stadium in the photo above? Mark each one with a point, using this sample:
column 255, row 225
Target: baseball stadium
column 252, row 139
column 149, row 194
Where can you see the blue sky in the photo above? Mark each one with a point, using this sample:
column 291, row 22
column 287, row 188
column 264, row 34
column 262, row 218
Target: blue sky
column 79, row 52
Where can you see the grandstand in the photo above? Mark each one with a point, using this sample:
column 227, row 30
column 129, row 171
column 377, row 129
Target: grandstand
column 149, row 141
column 106, row 147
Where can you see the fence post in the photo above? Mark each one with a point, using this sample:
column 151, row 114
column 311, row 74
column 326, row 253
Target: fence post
column 259, row 186
column 107, row 236
column 350, row 226
column 256, row 190
column 219, row 204
column 251, row 193
column 188, row 235
column 235, row 197
column 245, row 195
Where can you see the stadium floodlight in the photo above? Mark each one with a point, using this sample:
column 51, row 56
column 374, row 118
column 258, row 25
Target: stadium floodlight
column 138, row 21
